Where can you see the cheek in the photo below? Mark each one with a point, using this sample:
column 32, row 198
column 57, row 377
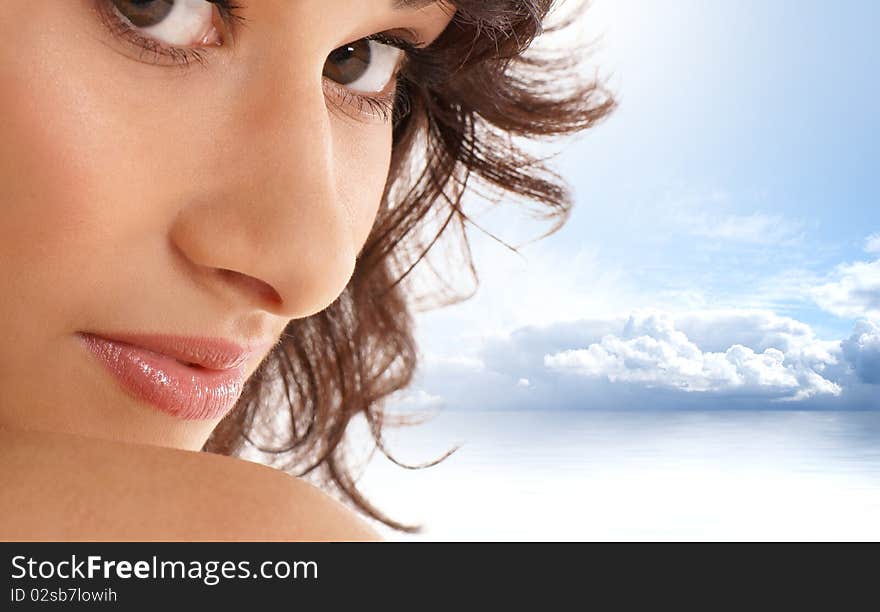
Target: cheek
column 66, row 169
column 73, row 190
column 49, row 164
column 362, row 159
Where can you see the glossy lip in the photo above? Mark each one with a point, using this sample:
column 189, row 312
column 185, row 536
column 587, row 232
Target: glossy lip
column 211, row 353
column 161, row 377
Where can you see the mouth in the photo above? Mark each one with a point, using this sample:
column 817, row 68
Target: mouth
column 191, row 379
column 201, row 352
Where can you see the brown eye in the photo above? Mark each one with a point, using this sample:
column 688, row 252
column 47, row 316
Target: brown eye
column 365, row 65
column 144, row 13
column 348, row 63
column 179, row 23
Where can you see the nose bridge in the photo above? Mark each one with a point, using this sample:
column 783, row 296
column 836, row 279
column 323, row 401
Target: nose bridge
column 274, row 213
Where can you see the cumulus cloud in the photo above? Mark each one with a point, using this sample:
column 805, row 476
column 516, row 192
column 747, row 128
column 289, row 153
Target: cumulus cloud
column 653, row 351
column 661, row 359
column 716, row 330
column 664, row 358
column 854, row 291
column 862, row 351
column 872, row 243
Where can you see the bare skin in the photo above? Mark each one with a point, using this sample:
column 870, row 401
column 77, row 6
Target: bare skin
column 220, row 200
column 67, row 487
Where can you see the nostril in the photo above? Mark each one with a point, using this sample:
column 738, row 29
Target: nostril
column 251, row 285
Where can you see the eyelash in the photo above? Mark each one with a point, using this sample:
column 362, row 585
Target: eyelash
column 383, row 105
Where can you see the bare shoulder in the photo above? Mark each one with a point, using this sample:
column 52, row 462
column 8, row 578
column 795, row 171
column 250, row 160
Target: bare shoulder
column 67, row 487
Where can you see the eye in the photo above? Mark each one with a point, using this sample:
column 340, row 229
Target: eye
column 364, row 66
column 361, row 75
column 180, row 23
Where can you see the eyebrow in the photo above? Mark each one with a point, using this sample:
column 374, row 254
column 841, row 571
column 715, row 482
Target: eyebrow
column 399, row 5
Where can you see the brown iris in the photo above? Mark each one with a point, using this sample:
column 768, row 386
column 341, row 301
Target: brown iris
column 349, row 62
column 144, row 13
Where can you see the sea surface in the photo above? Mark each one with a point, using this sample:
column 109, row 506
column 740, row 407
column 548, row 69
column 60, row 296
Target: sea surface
column 587, row 476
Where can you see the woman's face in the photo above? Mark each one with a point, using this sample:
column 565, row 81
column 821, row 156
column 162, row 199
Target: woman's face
column 220, row 199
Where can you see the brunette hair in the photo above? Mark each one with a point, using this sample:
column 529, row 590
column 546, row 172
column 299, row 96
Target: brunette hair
column 460, row 104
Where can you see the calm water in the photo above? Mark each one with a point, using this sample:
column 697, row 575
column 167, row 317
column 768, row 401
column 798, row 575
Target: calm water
column 635, row 476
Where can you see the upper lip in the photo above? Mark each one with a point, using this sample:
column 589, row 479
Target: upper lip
column 211, row 353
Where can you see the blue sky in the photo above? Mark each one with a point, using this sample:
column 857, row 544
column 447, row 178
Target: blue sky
column 724, row 250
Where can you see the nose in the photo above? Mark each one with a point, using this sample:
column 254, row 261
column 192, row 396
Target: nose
column 269, row 219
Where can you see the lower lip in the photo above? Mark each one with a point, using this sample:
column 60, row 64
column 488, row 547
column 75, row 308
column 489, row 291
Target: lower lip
column 174, row 388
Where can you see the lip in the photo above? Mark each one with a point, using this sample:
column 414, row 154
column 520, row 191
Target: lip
column 152, row 368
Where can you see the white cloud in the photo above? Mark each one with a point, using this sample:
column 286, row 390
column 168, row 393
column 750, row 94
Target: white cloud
column 862, row 351
column 854, row 292
column 718, row 329
column 652, row 351
column 559, row 321
column 872, row 243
